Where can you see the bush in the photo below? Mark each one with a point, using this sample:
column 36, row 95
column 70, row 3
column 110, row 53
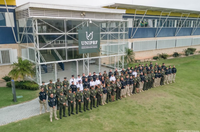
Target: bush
column 7, row 78
column 155, row 57
column 189, row 51
column 163, row 55
column 24, row 85
column 176, row 54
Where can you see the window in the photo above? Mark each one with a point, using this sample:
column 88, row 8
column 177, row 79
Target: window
column 5, row 57
column 2, row 19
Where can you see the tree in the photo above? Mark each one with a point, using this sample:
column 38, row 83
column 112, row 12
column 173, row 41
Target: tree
column 21, row 69
column 130, row 56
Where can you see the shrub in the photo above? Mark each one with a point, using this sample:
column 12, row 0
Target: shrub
column 176, row 54
column 156, row 57
column 189, row 51
column 7, row 78
column 163, row 55
column 24, row 85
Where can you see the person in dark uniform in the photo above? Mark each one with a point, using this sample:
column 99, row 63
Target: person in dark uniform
column 92, row 97
column 110, row 73
column 86, row 83
column 123, row 71
column 123, row 83
column 62, row 100
column 145, row 87
column 100, row 76
column 94, row 76
column 42, row 100
column 104, row 94
column 163, row 66
column 86, row 95
column 78, row 100
column 70, row 99
column 73, row 87
column 134, row 84
column 115, row 72
column 162, row 77
column 52, row 105
column 83, row 78
column 150, row 65
column 174, row 70
column 89, row 77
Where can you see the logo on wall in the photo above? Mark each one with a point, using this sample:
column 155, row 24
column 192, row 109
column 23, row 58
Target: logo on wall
column 90, row 36
column 89, row 40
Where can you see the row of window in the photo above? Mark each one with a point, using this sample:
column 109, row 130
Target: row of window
column 163, row 23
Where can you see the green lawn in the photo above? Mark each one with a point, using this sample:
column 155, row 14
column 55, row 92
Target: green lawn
column 6, row 96
column 163, row 109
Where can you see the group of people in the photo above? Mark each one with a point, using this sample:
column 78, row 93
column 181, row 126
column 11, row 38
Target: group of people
column 96, row 90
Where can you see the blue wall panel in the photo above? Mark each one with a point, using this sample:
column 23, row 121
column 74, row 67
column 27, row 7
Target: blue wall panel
column 6, row 34
column 166, row 32
column 185, row 32
column 142, row 32
column 197, row 32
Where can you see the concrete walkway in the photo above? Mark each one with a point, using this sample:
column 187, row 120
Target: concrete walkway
column 20, row 111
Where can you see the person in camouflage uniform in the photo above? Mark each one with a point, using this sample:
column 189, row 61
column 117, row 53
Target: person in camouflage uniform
column 86, row 95
column 44, row 87
column 78, row 98
column 58, row 91
column 118, row 91
column 99, row 91
column 149, row 80
column 58, row 82
column 51, row 91
column 138, row 80
column 70, row 99
column 92, row 97
column 65, row 82
column 51, row 84
column 152, row 79
column 113, row 92
column 62, row 100
column 109, row 89
column 145, row 87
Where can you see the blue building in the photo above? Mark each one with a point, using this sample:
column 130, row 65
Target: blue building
column 157, row 28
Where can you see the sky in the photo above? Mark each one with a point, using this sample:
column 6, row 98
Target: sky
column 179, row 4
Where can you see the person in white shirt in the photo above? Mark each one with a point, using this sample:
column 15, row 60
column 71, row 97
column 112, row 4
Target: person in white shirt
column 92, row 83
column 78, row 79
column 134, row 73
column 97, row 82
column 112, row 78
column 72, row 80
column 80, row 85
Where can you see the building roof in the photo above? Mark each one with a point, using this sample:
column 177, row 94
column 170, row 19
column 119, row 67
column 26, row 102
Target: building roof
column 68, row 7
column 152, row 8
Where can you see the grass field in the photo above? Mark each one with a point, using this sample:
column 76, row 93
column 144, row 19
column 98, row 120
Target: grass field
column 163, row 109
column 6, row 96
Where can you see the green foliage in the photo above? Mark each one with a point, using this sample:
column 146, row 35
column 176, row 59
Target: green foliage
column 163, row 55
column 21, row 69
column 189, row 51
column 156, row 57
column 129, row 57
column 7, row 78
column 176, row 54
column 24, row 85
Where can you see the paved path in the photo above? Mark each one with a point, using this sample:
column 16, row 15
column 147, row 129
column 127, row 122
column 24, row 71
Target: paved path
column 20, row 111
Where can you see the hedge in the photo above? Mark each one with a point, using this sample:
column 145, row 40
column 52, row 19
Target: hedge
column 7, row 78
column 24, row 85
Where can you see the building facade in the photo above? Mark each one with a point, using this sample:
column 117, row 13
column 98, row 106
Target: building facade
column 154, row 30
column 49, row 38
column 8, row 36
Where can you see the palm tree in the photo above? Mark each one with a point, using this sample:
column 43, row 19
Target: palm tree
column 130, row 56
column 21, row 69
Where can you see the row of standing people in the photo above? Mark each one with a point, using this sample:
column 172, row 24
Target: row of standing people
column 114, row 86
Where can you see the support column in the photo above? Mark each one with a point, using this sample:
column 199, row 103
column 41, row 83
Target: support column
column 56, row 71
